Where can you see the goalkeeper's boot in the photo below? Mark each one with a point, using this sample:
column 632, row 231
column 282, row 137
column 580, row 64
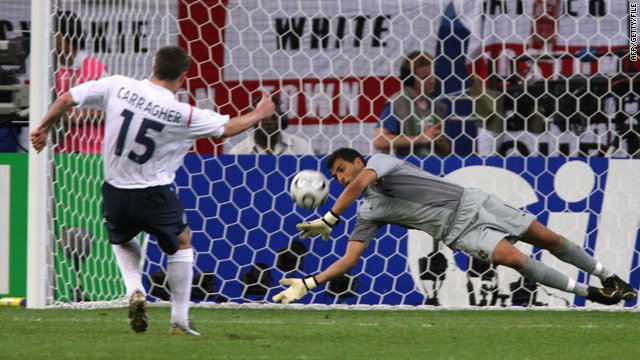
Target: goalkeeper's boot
column 606, row 296
column 138, row 311
column 614, row 282
column 184, row 328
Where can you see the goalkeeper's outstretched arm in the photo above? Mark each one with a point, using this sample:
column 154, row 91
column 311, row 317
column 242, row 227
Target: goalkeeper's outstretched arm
column 298, row 288
column 341, row 266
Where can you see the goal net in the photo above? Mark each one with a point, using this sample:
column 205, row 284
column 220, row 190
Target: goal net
column 541, row 110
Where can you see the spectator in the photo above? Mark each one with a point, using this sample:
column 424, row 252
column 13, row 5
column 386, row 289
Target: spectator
column 269, row 136
column 84, row 130
column 411, row 122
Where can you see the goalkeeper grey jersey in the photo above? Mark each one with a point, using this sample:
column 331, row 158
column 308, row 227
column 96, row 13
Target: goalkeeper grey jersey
column 408, row 196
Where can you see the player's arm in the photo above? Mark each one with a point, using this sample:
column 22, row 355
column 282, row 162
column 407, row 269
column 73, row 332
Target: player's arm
column 324, row 225
column 60, row 107
column 341, row 266
column 300, row 287
column 238, row 124
column 354, row 190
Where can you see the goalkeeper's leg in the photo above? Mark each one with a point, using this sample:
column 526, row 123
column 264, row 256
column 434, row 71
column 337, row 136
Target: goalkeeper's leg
column 570, row 252
column 508, row 255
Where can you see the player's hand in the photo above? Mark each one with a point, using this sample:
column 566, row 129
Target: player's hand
column 39, row 138
column 322, row 226
column 265, row 106
column 297, row 289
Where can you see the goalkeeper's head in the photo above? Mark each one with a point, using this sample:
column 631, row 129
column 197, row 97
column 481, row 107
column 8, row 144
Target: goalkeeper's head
column 345, row 164
column 171, row 64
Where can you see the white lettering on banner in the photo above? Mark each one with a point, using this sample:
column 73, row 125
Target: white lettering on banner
column 319, row 99
column 325, row 39
column 5, row 221
column 287, row 95
column 348, row 99
column 617, row 228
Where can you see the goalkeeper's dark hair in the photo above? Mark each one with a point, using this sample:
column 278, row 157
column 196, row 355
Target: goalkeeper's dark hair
column 170, row 62
column 346, row 154
column 69, row 26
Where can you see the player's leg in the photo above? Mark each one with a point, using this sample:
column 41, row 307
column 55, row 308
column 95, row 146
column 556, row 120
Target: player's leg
column 508, row 255
column 168, row 223
column 489, row 244
column 128, row 256
column 570, row 252
column 180, row 276
column 122, row 229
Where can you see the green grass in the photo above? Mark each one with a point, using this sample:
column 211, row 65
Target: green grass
column 326, row 334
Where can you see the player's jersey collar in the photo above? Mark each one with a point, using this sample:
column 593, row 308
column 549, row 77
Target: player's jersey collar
column 160, row 89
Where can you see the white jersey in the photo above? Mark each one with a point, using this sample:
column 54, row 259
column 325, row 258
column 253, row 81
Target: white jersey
column 147, row 131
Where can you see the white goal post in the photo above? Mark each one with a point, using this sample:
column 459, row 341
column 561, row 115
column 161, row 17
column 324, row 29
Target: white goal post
column 542, row 110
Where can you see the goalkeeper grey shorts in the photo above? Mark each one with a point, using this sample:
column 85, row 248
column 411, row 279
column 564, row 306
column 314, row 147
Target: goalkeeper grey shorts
column 155, row 210
column 495, row 220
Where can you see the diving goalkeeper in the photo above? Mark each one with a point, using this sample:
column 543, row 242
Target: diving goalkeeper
column 465, row 219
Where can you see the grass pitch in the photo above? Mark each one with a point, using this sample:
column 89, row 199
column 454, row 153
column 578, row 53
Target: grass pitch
column 322, row 334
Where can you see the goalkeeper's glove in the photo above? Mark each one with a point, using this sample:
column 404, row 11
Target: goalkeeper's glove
column 297, row 289
column 320, row 226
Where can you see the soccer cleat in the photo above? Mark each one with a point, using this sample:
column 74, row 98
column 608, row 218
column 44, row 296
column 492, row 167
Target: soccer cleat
column 606, row 296
column 138, row 311
column 184, row 328
column 614, row 282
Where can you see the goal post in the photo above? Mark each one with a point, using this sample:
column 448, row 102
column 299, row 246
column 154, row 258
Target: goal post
column 542, row 110
column 37, row 232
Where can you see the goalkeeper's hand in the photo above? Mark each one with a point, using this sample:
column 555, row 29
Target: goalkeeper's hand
column 320, row 226
column 297, row 289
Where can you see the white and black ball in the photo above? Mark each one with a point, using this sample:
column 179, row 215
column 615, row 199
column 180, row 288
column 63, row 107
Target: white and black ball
column 309, row 189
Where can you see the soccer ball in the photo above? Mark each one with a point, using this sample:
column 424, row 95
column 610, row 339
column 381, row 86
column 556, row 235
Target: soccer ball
column 309, row 189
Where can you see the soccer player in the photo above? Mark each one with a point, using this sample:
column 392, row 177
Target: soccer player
column 465, row 219
column 147, row 134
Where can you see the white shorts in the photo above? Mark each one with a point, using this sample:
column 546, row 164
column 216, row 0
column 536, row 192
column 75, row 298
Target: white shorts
column 495, row 220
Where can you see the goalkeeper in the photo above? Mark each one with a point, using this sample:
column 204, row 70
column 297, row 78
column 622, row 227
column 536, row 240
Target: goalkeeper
column 465, row 219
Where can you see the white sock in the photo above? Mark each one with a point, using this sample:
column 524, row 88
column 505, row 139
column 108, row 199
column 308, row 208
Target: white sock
column 602, row 272
column 180, row 276
column 128, row 257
